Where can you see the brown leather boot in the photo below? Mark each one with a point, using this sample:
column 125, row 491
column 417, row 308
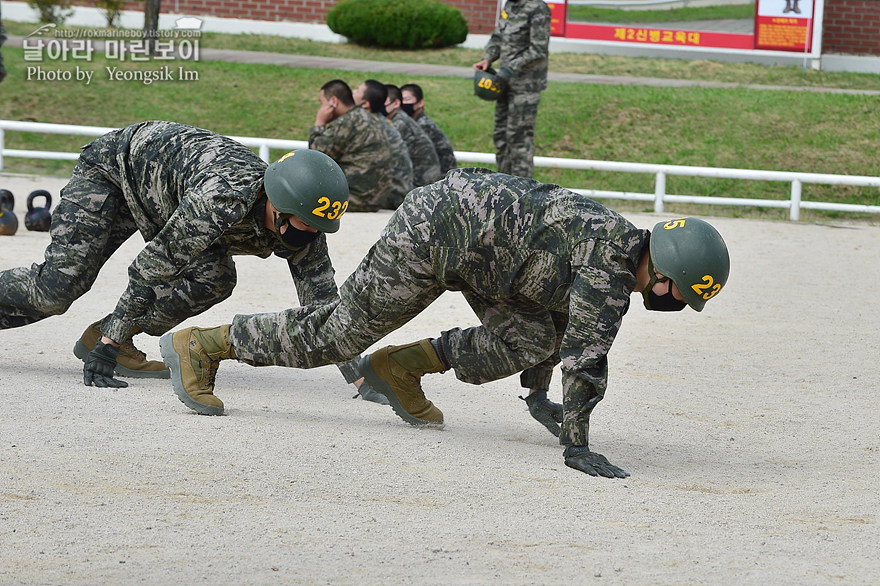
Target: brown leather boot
column 396, row 372
column 194, row 355
column 131, row 362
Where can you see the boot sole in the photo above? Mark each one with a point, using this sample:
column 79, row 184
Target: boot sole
column 382, row 387
column 81, row 352
column 172, row 361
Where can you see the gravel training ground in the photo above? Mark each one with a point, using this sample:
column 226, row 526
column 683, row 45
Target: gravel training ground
column 751, row 431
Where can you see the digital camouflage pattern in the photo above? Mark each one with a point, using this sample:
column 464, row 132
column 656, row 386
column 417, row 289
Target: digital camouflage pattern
column 548, row 272
column 402, row 169
column 445, row 152
column 514, row 134
column 197, row 199
column 521, row 41
column 426, row 165
column 357, row 142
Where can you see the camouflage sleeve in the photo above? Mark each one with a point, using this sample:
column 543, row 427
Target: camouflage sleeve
column 330, row 139
column 493, row 48
column 313, row 274
column 599, row 299
column 539, row 40
column 200, row 219
column 445, row 152
column 426, row 163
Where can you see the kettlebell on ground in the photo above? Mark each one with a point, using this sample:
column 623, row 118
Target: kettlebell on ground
column 38, row 219
column 8, row 219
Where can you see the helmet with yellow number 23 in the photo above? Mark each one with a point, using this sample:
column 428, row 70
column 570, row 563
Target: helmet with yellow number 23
column 692, row 253
column 309, row 185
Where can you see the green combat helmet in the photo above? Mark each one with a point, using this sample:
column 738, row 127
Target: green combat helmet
column 309, row 185
column 691, row 253
column 487, row 85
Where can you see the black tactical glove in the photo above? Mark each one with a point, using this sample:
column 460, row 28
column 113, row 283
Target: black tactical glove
column 99, row 367
column 368, row 393
column 548, row 413
column 581, row 458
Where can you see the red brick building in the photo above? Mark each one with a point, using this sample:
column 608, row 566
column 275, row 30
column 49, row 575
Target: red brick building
column 852, row 26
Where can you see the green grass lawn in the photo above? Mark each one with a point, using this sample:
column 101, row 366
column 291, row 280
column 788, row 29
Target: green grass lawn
column 730, row 127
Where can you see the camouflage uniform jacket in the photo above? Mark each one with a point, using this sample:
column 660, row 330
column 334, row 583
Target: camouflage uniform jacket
column 402, row 167
column 444, row 149
column 358, row 143
column 426, row 165
column 190, row 191
column 559, row 249
column 522, row 42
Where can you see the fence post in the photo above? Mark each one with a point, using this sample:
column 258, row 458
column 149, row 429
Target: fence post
column 659, row 191
column 264, row 152
column 2, row 144
column 795, row 211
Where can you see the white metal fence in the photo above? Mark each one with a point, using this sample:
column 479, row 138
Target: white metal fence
column 794, row 204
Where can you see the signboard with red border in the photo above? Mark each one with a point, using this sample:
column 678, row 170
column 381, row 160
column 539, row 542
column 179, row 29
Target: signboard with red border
column 784, row 25
column 780, row 25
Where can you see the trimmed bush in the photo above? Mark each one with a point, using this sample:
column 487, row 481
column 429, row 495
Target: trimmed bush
column 410, row 24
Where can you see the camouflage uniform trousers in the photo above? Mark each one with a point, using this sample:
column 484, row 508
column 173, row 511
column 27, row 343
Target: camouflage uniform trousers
column 515, row 116
column 82, row 240
column 393, row 284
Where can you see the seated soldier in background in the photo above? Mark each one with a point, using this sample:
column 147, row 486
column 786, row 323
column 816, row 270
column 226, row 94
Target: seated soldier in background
column 357, row 142
column 413, row 103
column 426, row 165
column 371, row 96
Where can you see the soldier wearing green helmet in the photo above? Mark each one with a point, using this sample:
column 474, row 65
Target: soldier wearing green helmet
column 548, row 272
column 197, row 198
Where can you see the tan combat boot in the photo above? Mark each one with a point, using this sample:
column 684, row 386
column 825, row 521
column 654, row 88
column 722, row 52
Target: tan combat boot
column 396, row 372
column 131, row 362
column 194, row 355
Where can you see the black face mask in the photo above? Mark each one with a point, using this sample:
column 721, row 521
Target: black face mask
column 665, row 302
column 410, row 109
column 293, row 238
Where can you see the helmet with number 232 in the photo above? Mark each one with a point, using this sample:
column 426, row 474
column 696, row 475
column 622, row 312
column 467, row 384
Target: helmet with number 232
column 692, row 253
column 309, row 185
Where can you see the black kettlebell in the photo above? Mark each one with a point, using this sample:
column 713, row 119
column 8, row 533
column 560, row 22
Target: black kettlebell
column 38, row 219
column 8, row 219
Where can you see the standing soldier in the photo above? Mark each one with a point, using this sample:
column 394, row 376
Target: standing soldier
column 548, row 272
column 356, row 141
column 197, row 198
column 426, row 165
column 521, row 41
column 371, row 96
column 413, row 103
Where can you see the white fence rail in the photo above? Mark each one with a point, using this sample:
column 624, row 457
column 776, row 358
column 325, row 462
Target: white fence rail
column 794, row 204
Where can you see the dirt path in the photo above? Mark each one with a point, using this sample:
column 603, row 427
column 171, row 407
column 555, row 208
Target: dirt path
column 750, row 430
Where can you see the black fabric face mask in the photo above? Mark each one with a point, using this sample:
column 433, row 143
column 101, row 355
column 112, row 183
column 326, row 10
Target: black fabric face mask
column 292, row 238
column 408, row 108
column 665, row 302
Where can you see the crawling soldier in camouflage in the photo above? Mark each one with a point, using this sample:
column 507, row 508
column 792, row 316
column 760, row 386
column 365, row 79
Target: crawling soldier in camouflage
column 197, row 198
column 548, row 272
column 521, row 41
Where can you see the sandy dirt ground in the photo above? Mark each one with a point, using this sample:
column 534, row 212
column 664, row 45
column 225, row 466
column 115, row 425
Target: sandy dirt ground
column 751, row 430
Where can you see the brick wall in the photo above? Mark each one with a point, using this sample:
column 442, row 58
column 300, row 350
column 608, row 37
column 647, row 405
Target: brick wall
column 852, row 26
column 479, row 14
